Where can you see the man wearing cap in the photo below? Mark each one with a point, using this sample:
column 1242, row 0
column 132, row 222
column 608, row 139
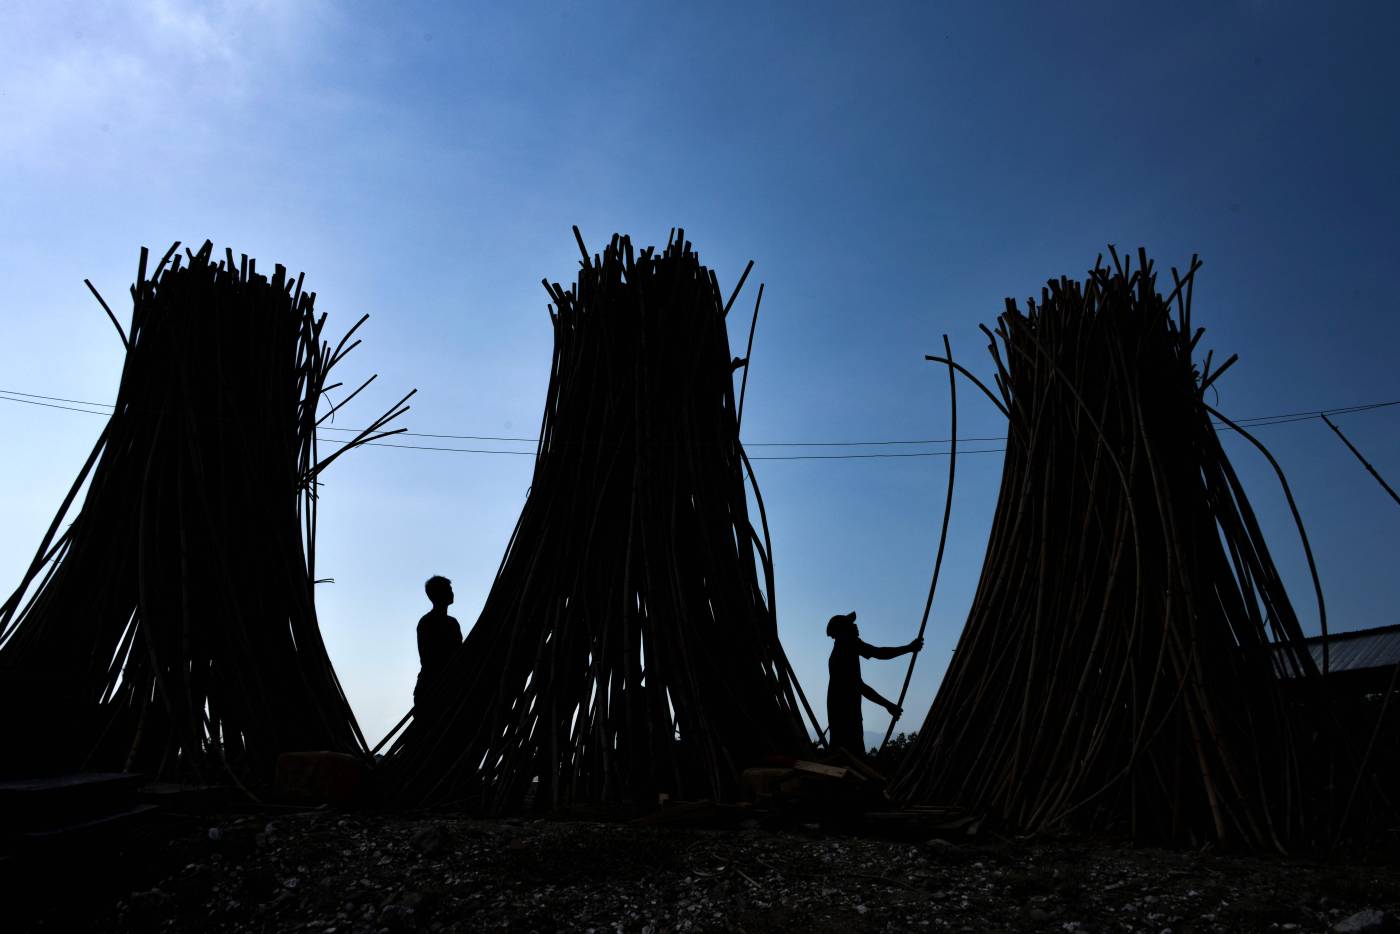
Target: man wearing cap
column 845, row 688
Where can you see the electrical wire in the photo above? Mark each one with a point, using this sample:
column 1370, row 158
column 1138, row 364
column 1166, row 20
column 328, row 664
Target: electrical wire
column 1258, row 421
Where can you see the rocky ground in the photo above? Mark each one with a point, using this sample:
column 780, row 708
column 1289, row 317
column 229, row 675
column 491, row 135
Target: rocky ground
column 328, row 872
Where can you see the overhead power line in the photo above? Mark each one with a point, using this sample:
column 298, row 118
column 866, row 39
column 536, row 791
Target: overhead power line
column 1258, row 421
column 30, row 395
column 760, row 457
column 50, row 405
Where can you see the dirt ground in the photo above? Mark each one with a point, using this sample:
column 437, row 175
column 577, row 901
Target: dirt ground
column 329, row 872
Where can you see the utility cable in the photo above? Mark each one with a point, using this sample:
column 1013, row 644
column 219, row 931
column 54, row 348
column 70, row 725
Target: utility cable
column 1258, row 421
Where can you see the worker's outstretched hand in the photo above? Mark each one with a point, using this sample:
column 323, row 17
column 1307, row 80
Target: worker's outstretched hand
column 916, row 644
column 894, row 709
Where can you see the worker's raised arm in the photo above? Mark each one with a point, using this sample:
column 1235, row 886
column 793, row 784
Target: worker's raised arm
column 887, row 652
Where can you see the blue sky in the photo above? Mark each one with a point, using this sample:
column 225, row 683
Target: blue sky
column 895, row 170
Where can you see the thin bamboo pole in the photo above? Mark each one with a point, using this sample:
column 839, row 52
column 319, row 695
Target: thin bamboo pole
column 942, row 532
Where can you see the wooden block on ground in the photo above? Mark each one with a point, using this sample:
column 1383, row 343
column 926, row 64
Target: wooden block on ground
column 188, row 798
column 763, row 782
column 42, row 801
column 321, row 778
column 825, row 771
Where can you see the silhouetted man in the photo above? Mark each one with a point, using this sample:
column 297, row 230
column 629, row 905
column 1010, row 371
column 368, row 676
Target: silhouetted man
column 438, row 637
column 845, row 689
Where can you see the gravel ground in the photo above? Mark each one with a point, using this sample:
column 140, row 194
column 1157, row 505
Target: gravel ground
column 330, row 872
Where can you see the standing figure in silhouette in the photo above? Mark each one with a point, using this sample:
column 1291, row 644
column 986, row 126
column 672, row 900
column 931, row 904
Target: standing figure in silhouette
column 439, row 637
column 845, row 689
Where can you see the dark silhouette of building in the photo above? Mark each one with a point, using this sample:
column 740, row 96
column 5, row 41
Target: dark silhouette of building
column 1359, row 662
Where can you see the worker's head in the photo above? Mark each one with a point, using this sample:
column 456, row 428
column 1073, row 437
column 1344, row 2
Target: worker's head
column 439, row 590
column 843, row 626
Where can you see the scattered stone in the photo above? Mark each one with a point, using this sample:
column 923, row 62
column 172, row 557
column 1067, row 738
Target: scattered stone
column 431, row 839
column 150, row 901
column 193, row 885
column 371, row 872
column 938, row 850
column 1367, row 921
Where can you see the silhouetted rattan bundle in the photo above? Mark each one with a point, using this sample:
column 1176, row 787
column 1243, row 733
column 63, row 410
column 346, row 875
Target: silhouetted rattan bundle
column 171, row 627
column 1119, row 669
column 628, row 645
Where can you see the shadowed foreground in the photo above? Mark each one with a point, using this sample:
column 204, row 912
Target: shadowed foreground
column 331, row 872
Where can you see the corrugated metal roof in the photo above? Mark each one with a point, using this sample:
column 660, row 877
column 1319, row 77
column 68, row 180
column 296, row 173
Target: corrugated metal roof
column 1359, row 650
column 1364, row 648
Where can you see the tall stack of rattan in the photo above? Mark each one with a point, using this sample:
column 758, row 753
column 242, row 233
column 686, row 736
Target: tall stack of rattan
column 167, row 625
column 1120, row 668
column 628, row 647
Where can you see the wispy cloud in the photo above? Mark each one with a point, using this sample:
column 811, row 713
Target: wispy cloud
column 69, row 71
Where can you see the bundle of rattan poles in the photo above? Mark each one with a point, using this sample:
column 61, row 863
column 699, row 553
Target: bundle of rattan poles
column 170, row 628
column 1120, row 666
column 628, row 646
